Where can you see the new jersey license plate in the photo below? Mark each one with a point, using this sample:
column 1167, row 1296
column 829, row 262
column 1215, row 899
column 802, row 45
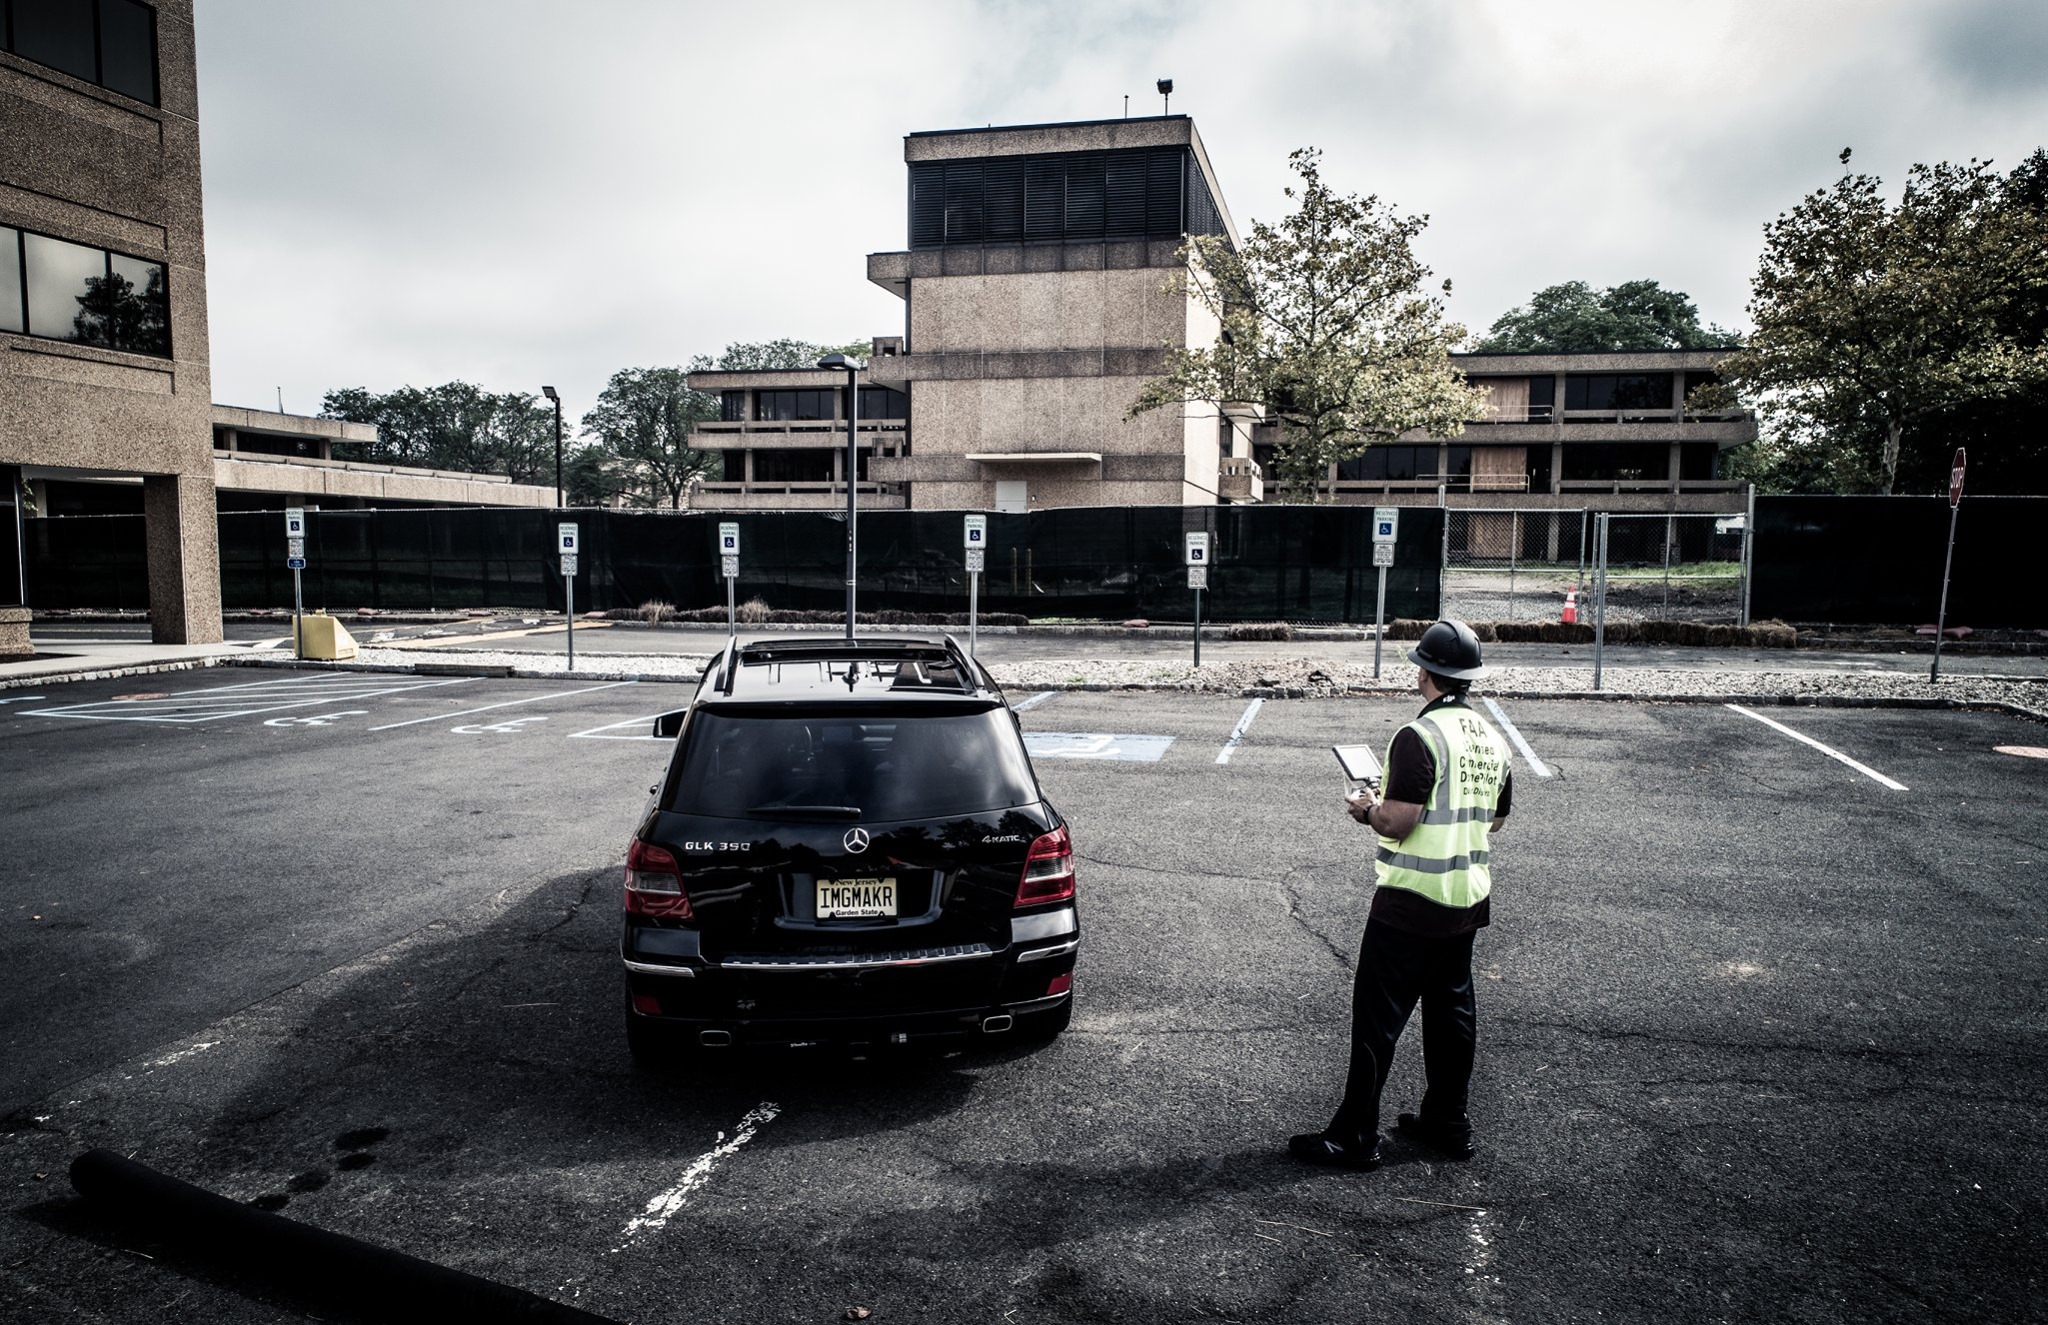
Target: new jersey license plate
column 856, row 899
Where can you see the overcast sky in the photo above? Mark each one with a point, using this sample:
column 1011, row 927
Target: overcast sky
column 511, row 193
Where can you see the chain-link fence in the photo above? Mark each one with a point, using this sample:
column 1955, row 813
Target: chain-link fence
column 1513, row 565
column 1672, row 567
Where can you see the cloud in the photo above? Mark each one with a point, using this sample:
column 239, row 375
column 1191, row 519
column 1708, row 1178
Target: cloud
column 514, row 193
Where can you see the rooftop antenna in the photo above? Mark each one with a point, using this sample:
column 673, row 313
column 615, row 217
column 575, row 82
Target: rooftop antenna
column 280, row 400
column 1127, row 105
column 1165, row 86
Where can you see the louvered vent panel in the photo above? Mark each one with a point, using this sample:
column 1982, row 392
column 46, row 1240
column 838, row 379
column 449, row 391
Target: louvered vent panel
column 1084, row 197
column 1124, row 195
column 1045, row 198
column 1002, row 200
column 1163, row 193
column 963, row 203
column 927, row 206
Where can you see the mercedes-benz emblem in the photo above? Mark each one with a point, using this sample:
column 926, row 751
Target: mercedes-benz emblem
column 856, row 840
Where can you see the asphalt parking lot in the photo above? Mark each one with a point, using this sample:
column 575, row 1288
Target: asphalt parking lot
column 1761, row 1031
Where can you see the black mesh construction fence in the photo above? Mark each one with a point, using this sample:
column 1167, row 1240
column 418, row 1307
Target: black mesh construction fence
column 1877, row 561
column 1268, row 562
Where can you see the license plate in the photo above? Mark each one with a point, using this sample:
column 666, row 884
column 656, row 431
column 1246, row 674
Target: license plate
column 856, row 899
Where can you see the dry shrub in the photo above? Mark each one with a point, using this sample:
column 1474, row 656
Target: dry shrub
column 1260, row 630
column 654, row 611
column 754, row 611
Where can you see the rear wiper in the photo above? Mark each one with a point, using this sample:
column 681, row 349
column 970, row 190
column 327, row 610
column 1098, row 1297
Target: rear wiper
column 806, row 811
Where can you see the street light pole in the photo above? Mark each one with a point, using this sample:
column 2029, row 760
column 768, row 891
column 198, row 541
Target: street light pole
column 852, row 468
column 549, row 392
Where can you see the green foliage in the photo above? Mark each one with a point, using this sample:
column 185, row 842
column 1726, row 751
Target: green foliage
column 1877, row 324
column 642, row 423
column 455, row 426
column 747, row 357
column 1324, row 323
column 1576, row 318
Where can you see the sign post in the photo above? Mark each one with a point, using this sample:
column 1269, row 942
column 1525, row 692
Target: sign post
column 729, row 567
column 1386, row 528
column 976, row 536
column 295, row 557
column 566, row 544
column 1955, row 504
column 1198, row 580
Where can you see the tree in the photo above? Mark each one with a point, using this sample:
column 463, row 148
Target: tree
column 748, row 357
column 1576, row 318
column 1324, row 322
column 1873, row 320
column 642, row 421
column 454, row 426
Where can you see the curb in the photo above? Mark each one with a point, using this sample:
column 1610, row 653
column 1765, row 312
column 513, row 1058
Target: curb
column 113, row 673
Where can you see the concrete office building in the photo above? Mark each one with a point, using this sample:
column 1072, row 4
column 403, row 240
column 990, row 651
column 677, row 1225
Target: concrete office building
column 1037, row 302
column 103, row 344
column 1562, row 431
column 1038, row 292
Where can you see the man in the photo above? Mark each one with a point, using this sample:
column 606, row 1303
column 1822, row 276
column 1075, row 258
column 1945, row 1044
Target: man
column 1447, row 791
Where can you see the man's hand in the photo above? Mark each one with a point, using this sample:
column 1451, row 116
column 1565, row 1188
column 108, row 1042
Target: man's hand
column 1359, row 803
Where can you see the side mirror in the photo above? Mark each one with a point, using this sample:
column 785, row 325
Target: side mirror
column 667, row 726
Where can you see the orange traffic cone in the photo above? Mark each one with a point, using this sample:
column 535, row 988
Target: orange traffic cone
column 1571, row 606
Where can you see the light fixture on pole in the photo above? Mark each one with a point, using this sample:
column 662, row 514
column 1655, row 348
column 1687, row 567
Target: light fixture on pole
column 1165, row 86
column 852, row 468
column 549, row 392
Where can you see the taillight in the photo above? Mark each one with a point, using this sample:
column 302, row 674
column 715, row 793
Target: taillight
column 1048, row 870
column 654, row 883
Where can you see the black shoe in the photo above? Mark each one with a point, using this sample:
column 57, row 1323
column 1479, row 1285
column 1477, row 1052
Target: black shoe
column 1450, row 1142
column 1334, row 1152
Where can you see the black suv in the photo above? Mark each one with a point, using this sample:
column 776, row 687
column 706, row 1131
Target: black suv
column 849, row 846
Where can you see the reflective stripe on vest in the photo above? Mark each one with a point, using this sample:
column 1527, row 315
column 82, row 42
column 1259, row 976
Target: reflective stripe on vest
column 1445, row 857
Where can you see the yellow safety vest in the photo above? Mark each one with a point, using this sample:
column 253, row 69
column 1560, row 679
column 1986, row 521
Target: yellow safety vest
column 1444, row 857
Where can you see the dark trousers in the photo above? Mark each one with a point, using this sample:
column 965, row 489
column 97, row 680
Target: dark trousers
column 1395, row 969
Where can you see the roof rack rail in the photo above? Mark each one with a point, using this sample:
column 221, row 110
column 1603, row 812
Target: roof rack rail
column 969, row 675
column 732, row 664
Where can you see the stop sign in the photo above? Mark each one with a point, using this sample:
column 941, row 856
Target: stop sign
column 1955, row 480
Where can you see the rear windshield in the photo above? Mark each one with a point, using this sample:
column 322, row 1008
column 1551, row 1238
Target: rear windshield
column 922, row 767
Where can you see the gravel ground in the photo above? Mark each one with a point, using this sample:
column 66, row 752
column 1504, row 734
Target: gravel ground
column 1306, row 677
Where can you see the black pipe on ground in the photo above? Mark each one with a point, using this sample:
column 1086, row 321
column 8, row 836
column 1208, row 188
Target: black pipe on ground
column 328, row 1268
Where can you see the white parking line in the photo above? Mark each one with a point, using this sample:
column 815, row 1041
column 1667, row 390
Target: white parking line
column 1864, row 769
column 1535, row 764
column 531, row 699
column 665, row 1204
column 598, row 733
column 1237, row 733
column 1034, row 701
column 242, row 701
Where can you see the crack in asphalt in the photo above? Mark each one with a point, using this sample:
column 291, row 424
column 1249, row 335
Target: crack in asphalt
column 574, row 909
column 1285, row 884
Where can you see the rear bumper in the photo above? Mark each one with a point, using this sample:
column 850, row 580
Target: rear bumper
column 925, row 994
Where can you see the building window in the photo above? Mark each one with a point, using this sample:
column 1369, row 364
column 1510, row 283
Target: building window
column 1391, row 463
column 732, row 466
column 1623, row 461
column 882, row 402
column 1618, row 391
column 793, row 404
column 1542, row 398
column 65, row 291
column 795, row 466
column 108, row 42
column 732, row 406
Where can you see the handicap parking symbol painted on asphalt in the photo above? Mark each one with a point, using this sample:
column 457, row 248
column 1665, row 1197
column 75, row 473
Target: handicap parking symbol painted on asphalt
column 1096, row 745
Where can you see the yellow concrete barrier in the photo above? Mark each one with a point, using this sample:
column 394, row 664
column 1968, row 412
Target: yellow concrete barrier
column 326, row 639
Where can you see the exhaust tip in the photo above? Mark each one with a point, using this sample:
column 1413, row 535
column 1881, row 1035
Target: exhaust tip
column 1002, row 1021
column 714, row 1039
